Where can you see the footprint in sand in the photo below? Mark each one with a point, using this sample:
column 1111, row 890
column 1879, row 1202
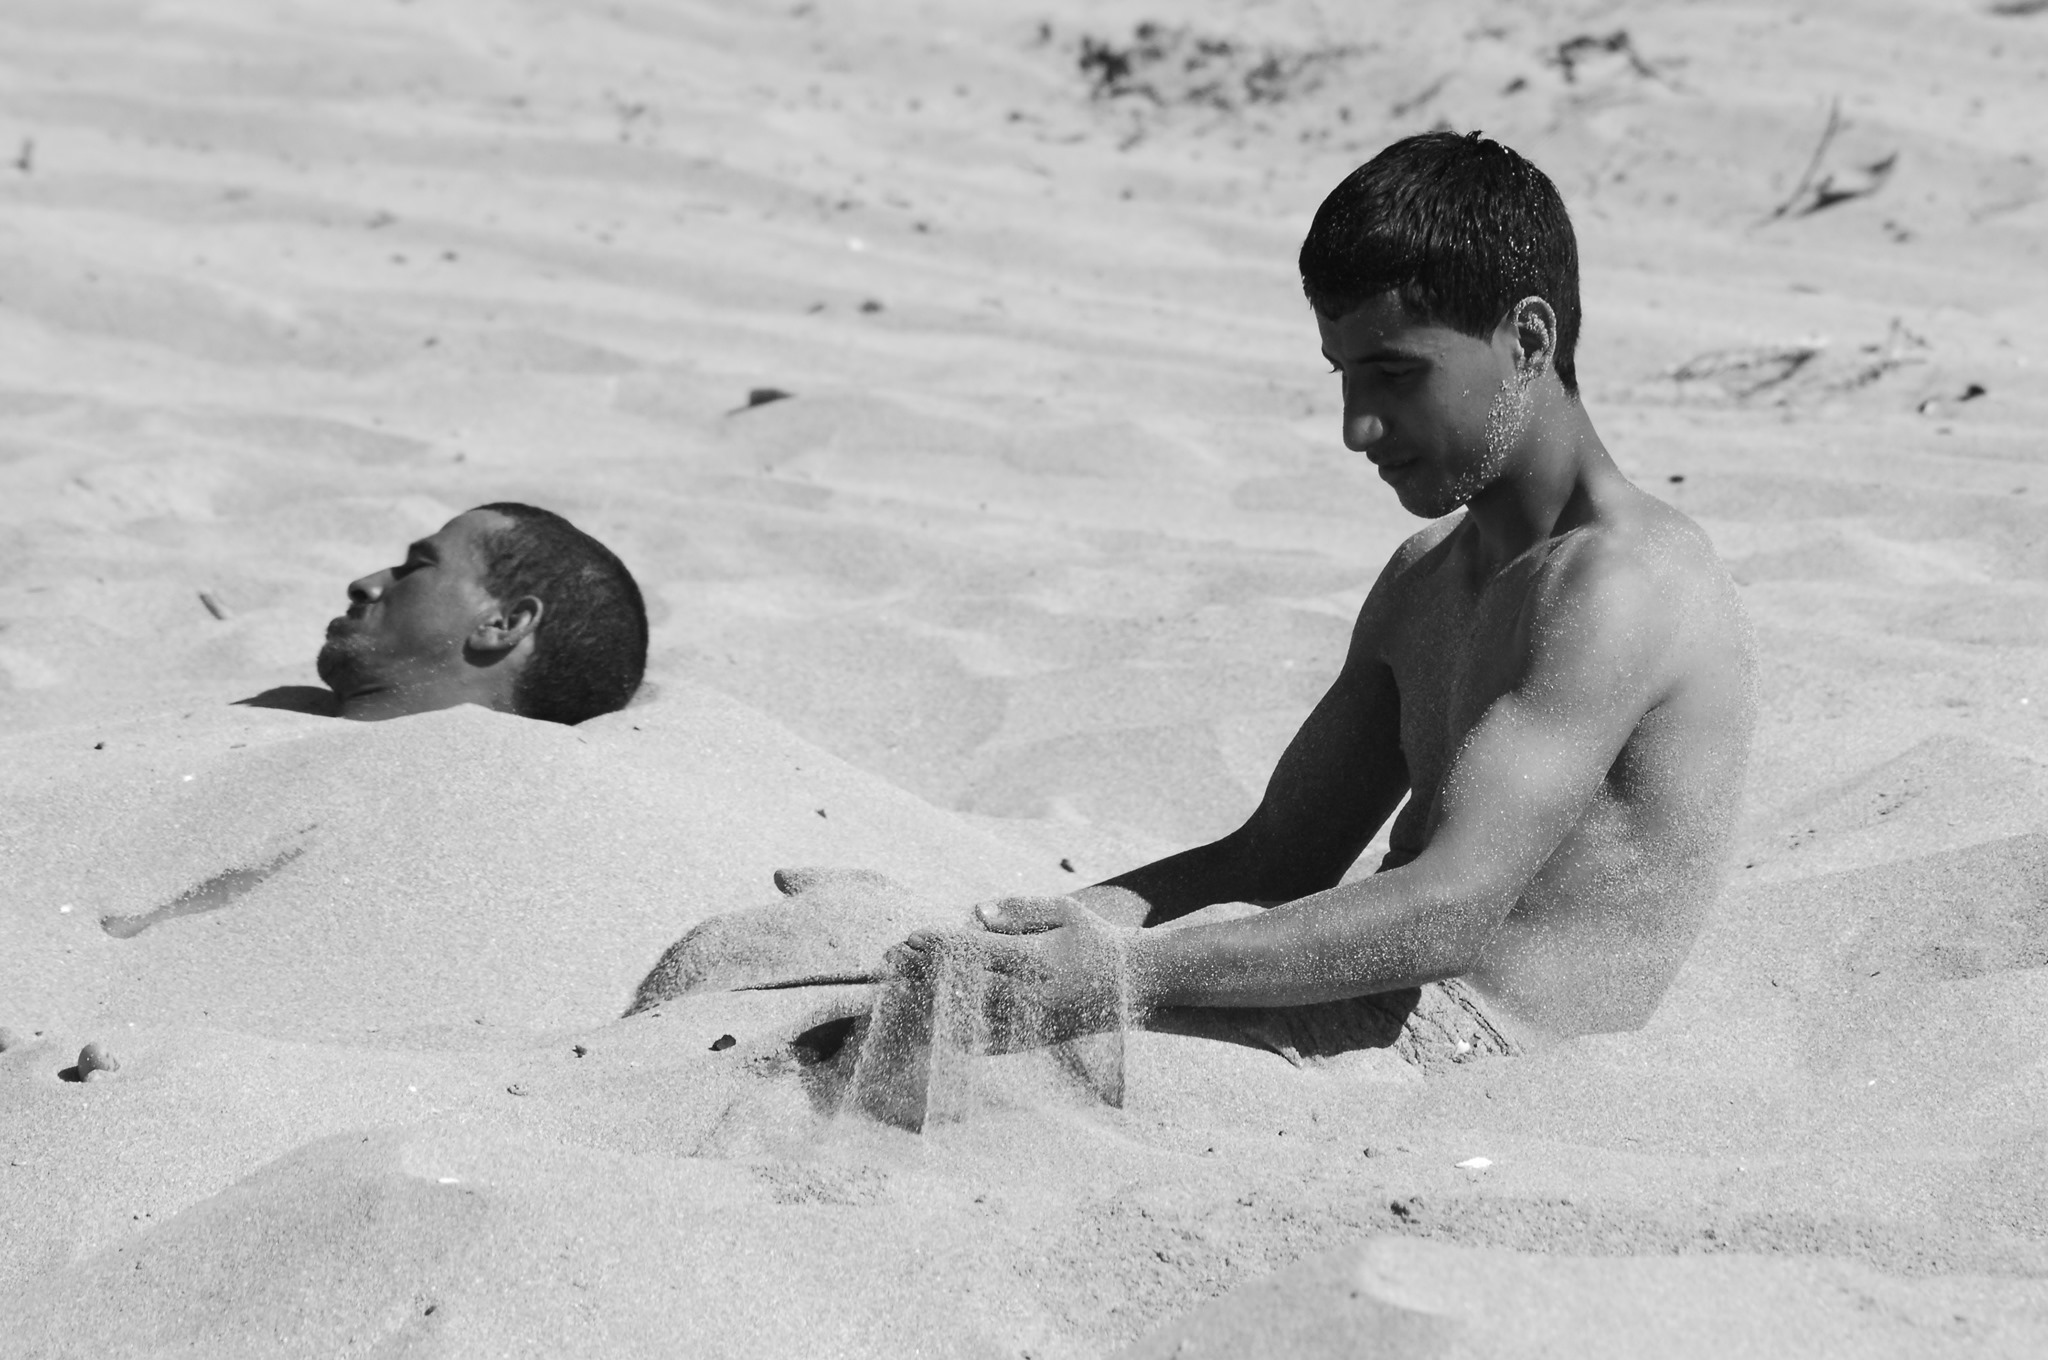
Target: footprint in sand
column 219, row 890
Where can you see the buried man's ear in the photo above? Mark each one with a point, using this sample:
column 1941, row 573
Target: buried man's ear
column 506, row 625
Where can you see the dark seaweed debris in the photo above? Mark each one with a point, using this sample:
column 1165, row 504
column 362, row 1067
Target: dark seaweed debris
column 1174, row 65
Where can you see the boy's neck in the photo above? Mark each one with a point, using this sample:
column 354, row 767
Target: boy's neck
column 1555, row 478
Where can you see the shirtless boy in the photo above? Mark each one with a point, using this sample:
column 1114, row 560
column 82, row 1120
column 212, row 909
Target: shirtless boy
column 1559, row 679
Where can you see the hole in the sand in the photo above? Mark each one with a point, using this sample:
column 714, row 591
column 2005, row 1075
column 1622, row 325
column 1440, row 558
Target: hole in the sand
column 822, row 1043
column 70, row 1073
column 208, row 895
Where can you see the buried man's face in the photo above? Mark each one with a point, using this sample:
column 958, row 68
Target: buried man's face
column 407, row 625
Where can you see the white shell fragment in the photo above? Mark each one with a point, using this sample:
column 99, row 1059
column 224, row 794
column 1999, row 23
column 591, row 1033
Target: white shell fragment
column 1475, row 1164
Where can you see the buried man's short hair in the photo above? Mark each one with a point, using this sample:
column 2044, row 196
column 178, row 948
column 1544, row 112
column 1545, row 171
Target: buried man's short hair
column 1459, row 228
column 590, row 646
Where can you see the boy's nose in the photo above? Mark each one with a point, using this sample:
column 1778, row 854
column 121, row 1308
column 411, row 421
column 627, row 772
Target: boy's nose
column 1361, row 431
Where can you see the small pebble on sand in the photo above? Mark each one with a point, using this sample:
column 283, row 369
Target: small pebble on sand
column 94, row 1059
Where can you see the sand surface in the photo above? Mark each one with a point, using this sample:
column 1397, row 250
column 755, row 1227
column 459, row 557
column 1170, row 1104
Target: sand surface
column 1046, row 553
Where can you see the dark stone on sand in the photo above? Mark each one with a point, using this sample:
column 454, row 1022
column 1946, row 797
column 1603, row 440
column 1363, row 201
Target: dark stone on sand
column 722, row 1043
column 761, row 396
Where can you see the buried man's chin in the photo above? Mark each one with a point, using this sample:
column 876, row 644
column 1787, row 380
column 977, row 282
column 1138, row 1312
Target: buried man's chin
column 339, row 664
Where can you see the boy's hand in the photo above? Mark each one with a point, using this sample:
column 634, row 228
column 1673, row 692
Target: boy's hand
column 1046, row 969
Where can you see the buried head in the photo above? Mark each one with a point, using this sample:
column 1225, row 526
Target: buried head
column 507, row 606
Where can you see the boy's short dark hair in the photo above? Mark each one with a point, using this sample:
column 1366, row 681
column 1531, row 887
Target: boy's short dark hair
column 1459, row 228
column 590, row 648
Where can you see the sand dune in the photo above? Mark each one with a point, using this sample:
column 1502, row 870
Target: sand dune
column 1042, row 559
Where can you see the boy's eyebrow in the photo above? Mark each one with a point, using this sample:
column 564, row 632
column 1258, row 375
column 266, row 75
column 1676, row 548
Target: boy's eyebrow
column 1383, row 354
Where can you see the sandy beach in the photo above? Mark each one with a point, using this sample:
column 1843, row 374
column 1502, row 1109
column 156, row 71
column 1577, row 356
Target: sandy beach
column 943, row 375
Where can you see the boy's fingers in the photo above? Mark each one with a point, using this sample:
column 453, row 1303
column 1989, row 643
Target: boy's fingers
column 913, row 956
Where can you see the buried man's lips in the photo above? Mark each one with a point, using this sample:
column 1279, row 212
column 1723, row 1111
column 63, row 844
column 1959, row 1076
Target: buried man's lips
column 340, row 623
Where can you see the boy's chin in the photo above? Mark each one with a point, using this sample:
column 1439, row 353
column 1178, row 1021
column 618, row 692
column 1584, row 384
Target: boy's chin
column 1428, row 502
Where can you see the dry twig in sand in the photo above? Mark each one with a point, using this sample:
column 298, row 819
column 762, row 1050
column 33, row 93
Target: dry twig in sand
column 1811, row 195
column 1748, row 370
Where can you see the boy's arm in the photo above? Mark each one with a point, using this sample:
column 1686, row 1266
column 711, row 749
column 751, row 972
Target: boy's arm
column 1338, row 780
column 1595, row 663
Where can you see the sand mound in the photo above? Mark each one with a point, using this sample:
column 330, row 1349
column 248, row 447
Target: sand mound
column 457, row 869
column 834, row 928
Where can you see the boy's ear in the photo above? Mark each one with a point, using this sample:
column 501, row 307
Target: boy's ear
column 507, row 625
column 1535, row 327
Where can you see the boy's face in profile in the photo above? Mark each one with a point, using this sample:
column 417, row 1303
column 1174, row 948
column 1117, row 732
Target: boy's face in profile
column 1424, row 402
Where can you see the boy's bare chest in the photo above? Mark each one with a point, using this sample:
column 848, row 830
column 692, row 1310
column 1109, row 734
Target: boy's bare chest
column 1455, row 647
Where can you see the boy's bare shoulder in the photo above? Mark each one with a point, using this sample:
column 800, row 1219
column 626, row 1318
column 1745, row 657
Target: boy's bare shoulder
column 1646, row 540
column 1418, row 556
column 1424, row 541
column 1648, row 566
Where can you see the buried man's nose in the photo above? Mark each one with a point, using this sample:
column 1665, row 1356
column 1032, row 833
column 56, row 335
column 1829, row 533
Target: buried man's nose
column 1362, row 430
column 369, row 589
